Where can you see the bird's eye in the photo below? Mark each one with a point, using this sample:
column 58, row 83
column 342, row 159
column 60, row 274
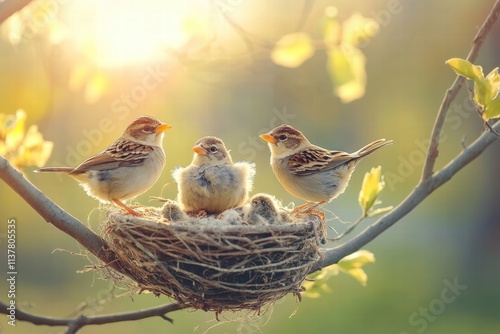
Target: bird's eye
column 213, row 149
column 283, row 137
column 147, row 129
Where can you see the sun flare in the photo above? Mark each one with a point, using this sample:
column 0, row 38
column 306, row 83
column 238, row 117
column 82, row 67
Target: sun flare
column 131, row 31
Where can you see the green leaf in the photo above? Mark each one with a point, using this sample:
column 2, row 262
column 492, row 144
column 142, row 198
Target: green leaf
column 357, row 259
column 492, row 110
column 346, row 67
column 293, row 50
column 494, row 79
column 465, row 68
column 483, row 92
column 372, row 185
column 316, row 282
column 352, row 265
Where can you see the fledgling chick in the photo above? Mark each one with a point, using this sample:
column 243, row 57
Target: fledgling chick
column 263, row 210
column 172, row 211
column 212, row 182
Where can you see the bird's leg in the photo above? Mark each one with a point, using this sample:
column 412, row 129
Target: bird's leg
column 310, row 207
column 129, row 210
column 314, row 206
column 302, row 208
column 313, row 210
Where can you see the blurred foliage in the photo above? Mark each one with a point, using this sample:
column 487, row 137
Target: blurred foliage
column 293, row 50
column 346, row 62
column 20, row 147
column 83, row 69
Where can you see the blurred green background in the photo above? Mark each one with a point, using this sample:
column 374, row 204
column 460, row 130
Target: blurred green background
column 81, row 89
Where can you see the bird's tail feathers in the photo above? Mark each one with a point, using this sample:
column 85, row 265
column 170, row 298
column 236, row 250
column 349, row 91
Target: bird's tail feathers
column 372, row 147
column 54, row 169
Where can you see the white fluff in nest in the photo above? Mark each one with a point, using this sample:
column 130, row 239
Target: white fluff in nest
column 232, row 216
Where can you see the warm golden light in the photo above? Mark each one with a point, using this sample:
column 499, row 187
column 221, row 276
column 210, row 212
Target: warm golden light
column 131, row 31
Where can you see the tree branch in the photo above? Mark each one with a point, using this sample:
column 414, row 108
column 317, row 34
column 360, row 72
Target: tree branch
column 9, row 7
column 97, row 246
column 53, row 214
column 74, row 324
column 421, row 191
column 452, row 92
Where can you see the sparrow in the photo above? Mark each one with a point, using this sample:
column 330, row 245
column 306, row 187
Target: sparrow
column 127, row 168
column 212, row 182
column 310, row 172
column 264, row 210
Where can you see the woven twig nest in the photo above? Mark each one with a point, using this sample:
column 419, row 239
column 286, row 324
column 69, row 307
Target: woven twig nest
column 210, row 264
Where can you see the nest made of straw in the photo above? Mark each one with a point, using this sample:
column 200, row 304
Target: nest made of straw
column 212, row 265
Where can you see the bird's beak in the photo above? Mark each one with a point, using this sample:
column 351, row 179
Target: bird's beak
column 267, row 137
column 162, row 127
column 198, row 149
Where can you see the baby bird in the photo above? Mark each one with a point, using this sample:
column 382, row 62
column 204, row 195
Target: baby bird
column 172, row 211
column 310, row 172
column 212, row 182
column 263, row 210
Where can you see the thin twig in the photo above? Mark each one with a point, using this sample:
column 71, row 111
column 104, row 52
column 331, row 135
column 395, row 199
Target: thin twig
column 452, row 92
column 349, row 229
column 9, row 7
column 74, row 324
column 306, row 11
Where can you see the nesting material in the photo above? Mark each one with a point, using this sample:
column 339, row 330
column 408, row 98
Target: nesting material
column 215, row 264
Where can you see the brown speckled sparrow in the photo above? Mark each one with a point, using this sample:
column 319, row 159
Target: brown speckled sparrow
column 310, row 172
column 127, row 168
column 212, row 182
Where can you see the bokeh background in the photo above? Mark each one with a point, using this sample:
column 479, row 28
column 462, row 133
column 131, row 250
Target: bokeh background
column 82, row 71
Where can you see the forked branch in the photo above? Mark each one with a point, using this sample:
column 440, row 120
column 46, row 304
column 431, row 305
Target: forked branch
column 97, row 246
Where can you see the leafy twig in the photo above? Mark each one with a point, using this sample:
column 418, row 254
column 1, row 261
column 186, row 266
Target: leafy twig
column 452, row 92
column 480, row 111
column 421, row 191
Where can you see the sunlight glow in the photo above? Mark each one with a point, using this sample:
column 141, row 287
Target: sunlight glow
column 130, row 31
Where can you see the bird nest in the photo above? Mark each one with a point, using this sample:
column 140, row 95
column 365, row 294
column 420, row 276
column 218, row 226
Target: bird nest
column 211, row 264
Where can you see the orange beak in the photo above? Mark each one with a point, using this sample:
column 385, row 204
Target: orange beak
column 162, row 127
column 267, row 137
column 198, row 149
